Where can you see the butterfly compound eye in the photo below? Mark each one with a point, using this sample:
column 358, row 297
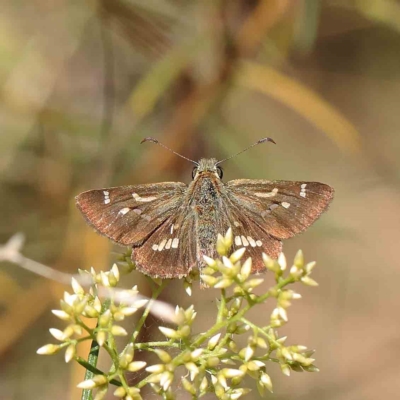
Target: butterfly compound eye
column 194, row 172
column 220, row 172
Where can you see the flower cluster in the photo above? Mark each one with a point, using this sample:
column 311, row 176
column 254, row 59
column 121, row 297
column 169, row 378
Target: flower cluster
column 82, row 306
column 219, row 360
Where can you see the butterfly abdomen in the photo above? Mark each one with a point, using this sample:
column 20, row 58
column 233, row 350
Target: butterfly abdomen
column 206, row 205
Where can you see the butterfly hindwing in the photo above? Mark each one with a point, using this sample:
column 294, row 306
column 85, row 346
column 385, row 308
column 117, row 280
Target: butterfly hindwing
column 129, row 214
column 281, row 208
column 247, row 233
column 170, row 251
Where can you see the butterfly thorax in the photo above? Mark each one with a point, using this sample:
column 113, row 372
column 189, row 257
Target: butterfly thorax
column 205, row 196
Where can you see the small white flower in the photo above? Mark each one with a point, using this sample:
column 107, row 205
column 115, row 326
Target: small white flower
column 213, row 341
column 57, row 334
column 282, row 261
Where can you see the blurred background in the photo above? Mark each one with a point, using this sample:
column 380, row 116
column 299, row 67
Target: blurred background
column 82, row 82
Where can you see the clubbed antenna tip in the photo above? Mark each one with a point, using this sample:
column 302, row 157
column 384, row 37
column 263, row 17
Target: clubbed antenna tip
column 263, row 140
column 266, row 139
column 149, row 139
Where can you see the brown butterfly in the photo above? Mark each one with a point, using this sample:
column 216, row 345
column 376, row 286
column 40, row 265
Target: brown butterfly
column 171, row 225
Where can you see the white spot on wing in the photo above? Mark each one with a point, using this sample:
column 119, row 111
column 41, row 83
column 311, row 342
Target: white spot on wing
column 244, row 241
column 137, row 211
column 162, row 244
column 251, row 241
column 272, row 193
column 259, row 243
column 124, row 210
column 155, row 247
column 168, row 245
column 175, row 243
column 236, row 223
column 143, row 199
column 146, row 199
column 285, row 204
column 106, row 197
column 238, row 241
column 303, row 190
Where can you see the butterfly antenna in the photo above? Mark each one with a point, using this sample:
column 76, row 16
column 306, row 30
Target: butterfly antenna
column 150, row 139
column 267, row 139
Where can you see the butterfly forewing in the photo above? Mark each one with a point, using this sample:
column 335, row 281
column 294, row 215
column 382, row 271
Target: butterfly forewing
column 280, row 208
column 129, row 214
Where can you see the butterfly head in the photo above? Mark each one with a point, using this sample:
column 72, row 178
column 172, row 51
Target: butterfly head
column 207, row 165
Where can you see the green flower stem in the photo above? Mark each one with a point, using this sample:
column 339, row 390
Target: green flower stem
column 222, row 343
column 146, row 311
column 95, row 371
column 219, row 325
column 280, row 285
column 83, row 339
column 147, row 346
column 143, row 382
column 93, row 336
column 111, row 346
column 90, row 331
column 262, row 331
column 92, row 361
column 123, row 381
column 93, row 354
column 151, row 345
